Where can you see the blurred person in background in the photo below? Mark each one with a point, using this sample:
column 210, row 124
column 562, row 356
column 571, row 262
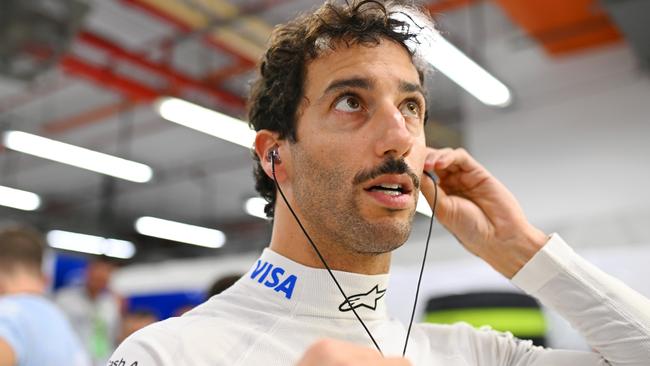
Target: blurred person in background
column 135, row 320
column 93, row 310
column 33, row 330
column 218, row 286
column 222, row 284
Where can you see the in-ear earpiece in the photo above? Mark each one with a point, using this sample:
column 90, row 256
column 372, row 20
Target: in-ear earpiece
column 274, row 155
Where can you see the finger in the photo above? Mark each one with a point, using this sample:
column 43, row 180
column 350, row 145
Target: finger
column 433, row 156
column 455, row 160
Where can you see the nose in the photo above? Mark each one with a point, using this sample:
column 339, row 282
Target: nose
column 394, row 137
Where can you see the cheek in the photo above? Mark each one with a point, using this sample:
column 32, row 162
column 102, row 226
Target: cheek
column 337, row 149
column 418, row 154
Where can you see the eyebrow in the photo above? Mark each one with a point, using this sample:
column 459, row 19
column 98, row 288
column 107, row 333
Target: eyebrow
column 406, row 87
column 359, row 83
column 367, row 84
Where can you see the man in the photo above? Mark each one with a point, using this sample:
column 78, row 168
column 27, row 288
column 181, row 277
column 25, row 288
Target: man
column 135, row 320
column 339, row 110
column 93, row 310
column 33, row 332
column 222, row 284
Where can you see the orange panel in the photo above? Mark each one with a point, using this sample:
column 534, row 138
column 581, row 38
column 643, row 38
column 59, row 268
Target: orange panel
column 562, row 26
column 442, row 6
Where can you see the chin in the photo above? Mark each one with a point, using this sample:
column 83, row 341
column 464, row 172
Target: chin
column 383, row 237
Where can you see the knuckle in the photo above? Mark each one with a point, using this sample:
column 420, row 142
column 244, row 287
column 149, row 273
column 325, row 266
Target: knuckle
column 323, row 346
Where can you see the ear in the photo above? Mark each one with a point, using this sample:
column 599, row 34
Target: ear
column 265, row 142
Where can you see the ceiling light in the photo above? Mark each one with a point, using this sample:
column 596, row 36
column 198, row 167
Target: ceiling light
column 90, row 244
column 206, row 120
column 77, row 156
column 466, row 73
column 16, row 198
column 449, row 60
column 183, row 233
column 423, row 206
column 255, row 207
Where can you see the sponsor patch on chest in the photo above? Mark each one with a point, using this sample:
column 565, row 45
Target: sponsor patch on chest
column 274, row 277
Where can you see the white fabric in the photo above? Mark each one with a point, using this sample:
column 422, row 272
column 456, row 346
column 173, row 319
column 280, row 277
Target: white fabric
column 264, row 320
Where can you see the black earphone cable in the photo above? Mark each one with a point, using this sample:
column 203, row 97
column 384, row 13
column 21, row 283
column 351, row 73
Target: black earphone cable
column 275, row 180
column 338, row 285
column 424, row 259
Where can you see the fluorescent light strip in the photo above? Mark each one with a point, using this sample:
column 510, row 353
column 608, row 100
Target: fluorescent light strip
column 206, row 120
column 90, row 244
column 183, row 233
column 19, row 199
column 255, row 207
column 465, row 72
column 445, row 57
column 77, row 156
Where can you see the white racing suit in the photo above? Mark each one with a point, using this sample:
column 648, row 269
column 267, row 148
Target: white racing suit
column 279, row 308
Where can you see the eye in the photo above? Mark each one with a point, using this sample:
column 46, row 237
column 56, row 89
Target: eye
column 411, row 109
column 348, row 103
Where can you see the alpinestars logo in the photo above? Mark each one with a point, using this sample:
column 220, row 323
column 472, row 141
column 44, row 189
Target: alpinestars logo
column 368, row 300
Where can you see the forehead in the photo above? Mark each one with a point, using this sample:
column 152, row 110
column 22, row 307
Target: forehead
column 386, row 62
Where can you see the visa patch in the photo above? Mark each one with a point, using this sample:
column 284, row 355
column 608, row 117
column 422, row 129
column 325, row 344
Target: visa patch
column 274, row 277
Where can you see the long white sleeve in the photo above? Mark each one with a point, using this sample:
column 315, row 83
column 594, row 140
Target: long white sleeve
column 280, row 308
column 613, row 318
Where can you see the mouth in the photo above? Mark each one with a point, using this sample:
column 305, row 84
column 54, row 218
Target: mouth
column 388, row 189
column 391, row 184
column 391, row 191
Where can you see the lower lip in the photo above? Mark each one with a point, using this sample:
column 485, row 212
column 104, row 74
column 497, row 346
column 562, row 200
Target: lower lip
column 400, row 201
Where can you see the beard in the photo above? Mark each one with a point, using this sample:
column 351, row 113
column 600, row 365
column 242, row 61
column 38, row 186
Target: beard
column 330, row 198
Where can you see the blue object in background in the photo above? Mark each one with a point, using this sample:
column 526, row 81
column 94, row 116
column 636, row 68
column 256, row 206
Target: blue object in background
column 166, row 304
column 69, row 270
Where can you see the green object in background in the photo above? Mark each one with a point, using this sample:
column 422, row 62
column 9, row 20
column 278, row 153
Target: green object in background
column 512, row 312
column 100, row 345
column 522, row 322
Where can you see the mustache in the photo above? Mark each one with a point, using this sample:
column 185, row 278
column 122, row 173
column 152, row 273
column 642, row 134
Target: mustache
column 388, row 166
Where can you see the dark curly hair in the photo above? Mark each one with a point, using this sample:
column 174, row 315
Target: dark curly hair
column 278, row 90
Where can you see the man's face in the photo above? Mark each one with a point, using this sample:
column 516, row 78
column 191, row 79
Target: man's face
column 360, row 146
column 98, row 275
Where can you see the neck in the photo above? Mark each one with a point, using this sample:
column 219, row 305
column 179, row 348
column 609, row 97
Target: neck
column 92, row 293
column 288, row 240
column 22, row 282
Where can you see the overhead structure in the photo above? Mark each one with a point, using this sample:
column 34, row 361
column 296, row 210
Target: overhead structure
column 562, row 27
column 124, row 67
column 34, row 34
column 633, row 19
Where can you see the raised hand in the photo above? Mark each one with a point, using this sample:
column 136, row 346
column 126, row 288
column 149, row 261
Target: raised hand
column 480, row 211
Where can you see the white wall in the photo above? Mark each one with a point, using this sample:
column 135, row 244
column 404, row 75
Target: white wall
column 577, row 141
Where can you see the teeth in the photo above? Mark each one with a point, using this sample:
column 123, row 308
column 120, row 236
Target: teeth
column 390, row 186
column 392, row 193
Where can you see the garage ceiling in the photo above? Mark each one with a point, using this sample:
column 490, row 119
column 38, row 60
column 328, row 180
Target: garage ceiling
column 124, row 54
